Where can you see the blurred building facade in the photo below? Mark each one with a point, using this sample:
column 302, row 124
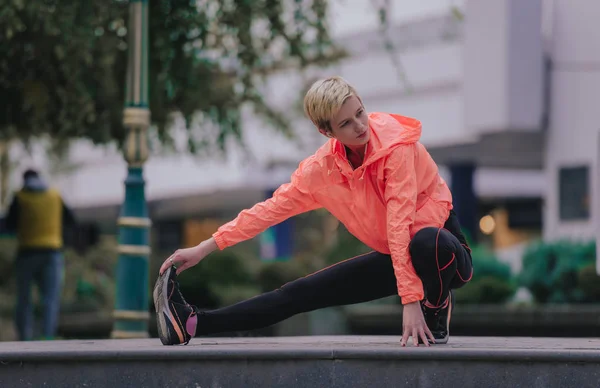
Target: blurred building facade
column 505, row 93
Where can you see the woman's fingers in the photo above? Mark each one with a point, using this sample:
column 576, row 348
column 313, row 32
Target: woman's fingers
column 415, row 336
column 428, row 332
column 405, row 336
column 417, row 333
column 171, row 260
column 163, row 267
column 423, row 337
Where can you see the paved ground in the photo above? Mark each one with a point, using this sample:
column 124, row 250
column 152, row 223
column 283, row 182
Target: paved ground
column 303, row 362
column 328, row 347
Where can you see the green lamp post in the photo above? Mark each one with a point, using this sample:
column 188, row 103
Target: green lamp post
column 131, row 314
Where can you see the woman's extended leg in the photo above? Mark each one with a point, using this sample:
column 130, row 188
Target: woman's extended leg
column 359, row 279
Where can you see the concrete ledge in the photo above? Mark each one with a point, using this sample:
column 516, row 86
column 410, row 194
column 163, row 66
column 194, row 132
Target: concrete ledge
column 332, row 361
column 314, row 347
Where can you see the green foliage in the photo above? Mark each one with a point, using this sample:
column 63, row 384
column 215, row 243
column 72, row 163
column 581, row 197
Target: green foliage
column 8, row 251
column 89, row 279
column 276, row 274
column 589, row 281
column 345, row 247
column 231, row 294
column 492, row 280
column 552, row 272
column 222, row 278
column 63, row 64
column 8, row 248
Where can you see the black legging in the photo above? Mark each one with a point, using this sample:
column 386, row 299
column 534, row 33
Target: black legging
column 440, row 256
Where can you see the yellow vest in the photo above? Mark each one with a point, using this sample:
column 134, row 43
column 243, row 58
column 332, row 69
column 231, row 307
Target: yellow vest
column 40, row 220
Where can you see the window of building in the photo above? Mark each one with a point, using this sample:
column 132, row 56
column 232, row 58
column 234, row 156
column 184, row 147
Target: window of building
column 574, row 193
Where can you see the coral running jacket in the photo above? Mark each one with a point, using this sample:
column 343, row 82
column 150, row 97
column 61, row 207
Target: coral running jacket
column 395, row 192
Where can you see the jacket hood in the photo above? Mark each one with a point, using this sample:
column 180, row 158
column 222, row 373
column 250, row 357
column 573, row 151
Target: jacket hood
column 35, row 183
column 388, row 131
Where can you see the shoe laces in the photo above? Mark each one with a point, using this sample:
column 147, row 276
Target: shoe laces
column 177, row 291
column 176, row 285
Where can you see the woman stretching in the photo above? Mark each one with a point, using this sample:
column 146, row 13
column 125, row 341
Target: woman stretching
column 382, row 184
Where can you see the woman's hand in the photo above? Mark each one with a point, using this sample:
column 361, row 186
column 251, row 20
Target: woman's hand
column 183, row 259
column 413, row 324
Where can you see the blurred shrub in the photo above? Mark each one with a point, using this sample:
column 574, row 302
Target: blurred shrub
column 8, row 250
column 89, row 279
column 345, row 247
column 213, row 282
column 589, row 281
column 492, row 280
column 553, row 271
column 274, row 275
column 234, row 293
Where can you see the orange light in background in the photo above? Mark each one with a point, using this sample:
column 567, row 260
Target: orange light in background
column 487, row 224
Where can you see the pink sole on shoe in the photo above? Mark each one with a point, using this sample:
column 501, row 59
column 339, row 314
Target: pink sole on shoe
column 190, row 325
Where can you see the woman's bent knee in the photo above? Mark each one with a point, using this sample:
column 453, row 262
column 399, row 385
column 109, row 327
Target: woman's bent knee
column 432, row 248
column 424, row 240
column 432, row 238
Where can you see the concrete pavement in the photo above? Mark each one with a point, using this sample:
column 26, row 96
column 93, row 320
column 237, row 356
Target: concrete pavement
column 332, row 347
column 331, row 361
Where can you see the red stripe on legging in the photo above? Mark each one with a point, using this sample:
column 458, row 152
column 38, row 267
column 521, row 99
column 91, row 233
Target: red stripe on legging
column 463, row 280
column 450, row 262
column 438, row 265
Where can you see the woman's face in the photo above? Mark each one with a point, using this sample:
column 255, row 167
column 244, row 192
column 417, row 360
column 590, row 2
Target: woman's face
column 351, row 124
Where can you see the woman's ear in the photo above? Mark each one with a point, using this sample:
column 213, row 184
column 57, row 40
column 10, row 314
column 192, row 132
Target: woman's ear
column 325, row 133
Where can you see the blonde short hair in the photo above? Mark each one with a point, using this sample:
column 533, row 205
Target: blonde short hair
column 325, row 98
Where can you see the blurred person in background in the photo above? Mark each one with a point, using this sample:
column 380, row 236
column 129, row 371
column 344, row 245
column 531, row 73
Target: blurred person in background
column 382, row 184
column 38, row 217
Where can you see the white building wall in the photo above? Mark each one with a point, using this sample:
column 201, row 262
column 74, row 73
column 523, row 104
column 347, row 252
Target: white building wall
column 574, row 120
column 503, row 60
